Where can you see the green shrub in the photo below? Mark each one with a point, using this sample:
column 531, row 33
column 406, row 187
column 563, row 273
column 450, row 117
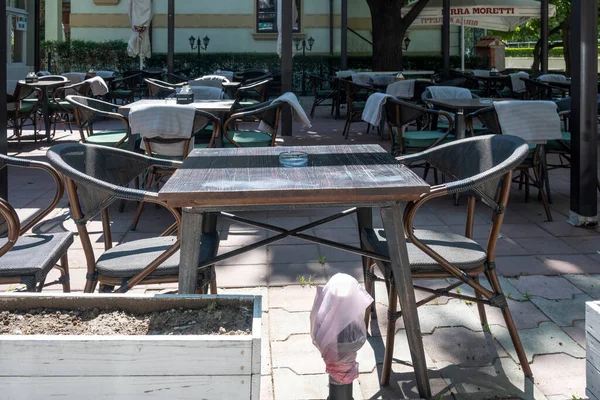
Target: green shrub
column 78, row 55
column 528, row 52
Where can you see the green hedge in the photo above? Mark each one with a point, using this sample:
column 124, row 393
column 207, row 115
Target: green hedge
column 80, row 55
column 528, row 52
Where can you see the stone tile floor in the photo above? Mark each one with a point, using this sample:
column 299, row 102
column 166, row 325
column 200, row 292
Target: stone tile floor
column 549, row 270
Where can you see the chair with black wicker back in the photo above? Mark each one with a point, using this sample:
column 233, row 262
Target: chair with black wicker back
column 321, row 94
column 266, row 114
column 60, row 106
column 253, row 93
column 88, row 111
column 22, row 107
column 126, row 88
column 356, row 95
column 159, row 89
column 27, row 257
column 96, row 177
column 536, row 90
column 482, row 168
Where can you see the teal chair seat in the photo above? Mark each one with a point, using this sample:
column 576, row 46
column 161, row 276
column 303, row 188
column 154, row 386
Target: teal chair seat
column 423, row 139
column 60, row 106
column 108, row 137
column 325, row 93
column 24, row 110
column 555, row 145
column 248, row 138
column 358, row 105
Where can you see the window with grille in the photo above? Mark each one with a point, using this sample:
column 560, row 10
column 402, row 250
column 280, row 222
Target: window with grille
column 266, row 16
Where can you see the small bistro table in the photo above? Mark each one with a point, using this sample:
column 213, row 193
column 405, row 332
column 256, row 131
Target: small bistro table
column 45, row 87
column 459, row 106
column 220, row 181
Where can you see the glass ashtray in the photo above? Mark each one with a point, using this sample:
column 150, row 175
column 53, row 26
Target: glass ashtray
column 293, row 159
column 486, row 101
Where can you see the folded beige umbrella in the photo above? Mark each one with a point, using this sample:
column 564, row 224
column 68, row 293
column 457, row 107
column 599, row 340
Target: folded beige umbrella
column 140, row 16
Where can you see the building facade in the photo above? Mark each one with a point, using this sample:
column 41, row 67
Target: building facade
column 235, row 26
column 20, row 38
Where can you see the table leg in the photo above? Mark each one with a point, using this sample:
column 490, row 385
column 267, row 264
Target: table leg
column 396, row 241
column 191, row 234
column 46, row 115
column 365, row 220
column 460, row 124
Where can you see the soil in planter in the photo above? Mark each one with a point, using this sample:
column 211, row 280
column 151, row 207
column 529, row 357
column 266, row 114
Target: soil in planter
column 211, row 320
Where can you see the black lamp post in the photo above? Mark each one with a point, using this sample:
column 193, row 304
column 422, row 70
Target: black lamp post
column 200, row 44
column 406, row 43
column 304, row 45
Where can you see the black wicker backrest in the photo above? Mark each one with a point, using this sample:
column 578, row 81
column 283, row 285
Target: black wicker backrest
column 101, row 174
column 536, row 90
column 489, row 118
column 476, row 164
column 22, row 92
column 81, row 89
column 89, row 110
column 158, row 89
column 400, row 112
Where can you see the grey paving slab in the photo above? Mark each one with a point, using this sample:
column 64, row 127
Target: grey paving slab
column 253, row 257
column 525, row 314
column 503, row 380
column 266, row 387
column 284, row 323
column 479, row 231
column 463, row 347
column 560, row 374
column 455, row 313
column 563, row 312
column 347, row 235
column 576, row 332
column 548, row 338
column 549, row 287
column 348, row 221
column 292, row 298
column 291, row 274
column 506, row 246
column 515, row 231
column 559, row 228
column 305, row 253
column 511, row 266
column 288, row 222
column 589, row 284
column 265, row 344
column 241, row 275
column 289, row 386
column 584, row 244
column 240, row 238
column 509, row 290
column 353, row 268
column 571, row 263
column 402, row 384
column 544, row 246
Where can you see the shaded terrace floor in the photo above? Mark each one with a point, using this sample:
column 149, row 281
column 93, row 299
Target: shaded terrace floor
column 550, row 269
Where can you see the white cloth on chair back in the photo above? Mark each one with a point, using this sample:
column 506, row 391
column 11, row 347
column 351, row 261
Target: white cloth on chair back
column 98, row 86
column 449, row 92
column 207, row 93
column 404, row 89
column 374, row 108
column 298, row 112
column 553, row 78
column 168, row 121
column 344, row 74
column 533, row 120
column 518, row 86
column 74, row 77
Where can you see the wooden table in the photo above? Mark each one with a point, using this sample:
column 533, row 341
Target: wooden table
column 221, row 181
column 459, row 106
column 45, row 87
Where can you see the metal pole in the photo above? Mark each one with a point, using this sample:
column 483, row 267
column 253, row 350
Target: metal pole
column 171, row 36
column 584, row 113
column 36, row 37
column 544, row 35
column 286, row 62
column 3, row 123
column 446, row 38
column 331, row 27
column 344, row 38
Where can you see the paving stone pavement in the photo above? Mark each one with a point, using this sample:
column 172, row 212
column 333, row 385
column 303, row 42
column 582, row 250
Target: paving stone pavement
column 548, row 270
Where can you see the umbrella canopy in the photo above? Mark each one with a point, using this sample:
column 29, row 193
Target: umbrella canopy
column 500, row 15
column 140, row 16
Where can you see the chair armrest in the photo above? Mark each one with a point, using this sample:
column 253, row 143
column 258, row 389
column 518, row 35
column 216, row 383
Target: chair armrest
column 23, row 163
column 13, row 224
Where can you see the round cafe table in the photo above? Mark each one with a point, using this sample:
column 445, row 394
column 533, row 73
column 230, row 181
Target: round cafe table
column 45, row 87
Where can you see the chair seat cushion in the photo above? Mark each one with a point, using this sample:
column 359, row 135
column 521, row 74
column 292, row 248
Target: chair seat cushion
column 250, row 138
column 555, row 145
column 23, row 111
column 358, row 105
column 460, row 251
column 423, row 139
column 128, row 259
column 325, row 93
column 35, row 254
column 122, row 92
column 60, row 106
column 107, row 138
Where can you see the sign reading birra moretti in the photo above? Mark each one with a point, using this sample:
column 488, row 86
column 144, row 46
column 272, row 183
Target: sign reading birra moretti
column 474, row 10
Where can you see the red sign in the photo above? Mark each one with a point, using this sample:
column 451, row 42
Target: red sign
column 483, row 11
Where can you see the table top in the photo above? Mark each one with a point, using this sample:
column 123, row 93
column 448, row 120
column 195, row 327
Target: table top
column 461, row 104
column 205, row 105
column 245, row 178
column 44, row 84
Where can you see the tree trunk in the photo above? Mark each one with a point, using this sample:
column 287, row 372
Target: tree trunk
column 388, row 34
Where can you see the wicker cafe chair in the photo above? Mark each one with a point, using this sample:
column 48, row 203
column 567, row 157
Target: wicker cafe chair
column 320, row 94
column 482, row 167
column 159, row 89
column 177, row 148
column 264, row 136
column 400, row 113
column 355, row 105
column 22, row 107
column 536, row 90
column 27, row 258
column 127, row 87
column 95, row 177
column 253, row 93
column 88, row 111
column 59, row 105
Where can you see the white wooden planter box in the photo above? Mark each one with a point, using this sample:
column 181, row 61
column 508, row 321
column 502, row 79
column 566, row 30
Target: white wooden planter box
column 129, row 367
column 592, row 339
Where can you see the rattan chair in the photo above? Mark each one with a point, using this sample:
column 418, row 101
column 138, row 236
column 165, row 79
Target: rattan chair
column 127, row 87
column 356, row 95
column 88, row 111
column 25, row 257
column 61, row 108
column 321, row 95
column 23, row 107
column 253, row 93
column 400, row 113
column 536, row 90
column 97, row 176
column 267, row 114
column 159, row 89
column 482, row 167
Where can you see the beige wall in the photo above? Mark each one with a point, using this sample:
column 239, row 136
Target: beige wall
column 230, row 24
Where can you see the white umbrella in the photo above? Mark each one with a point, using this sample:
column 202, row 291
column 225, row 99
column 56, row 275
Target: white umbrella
column 140, row 16
column 499, row 15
